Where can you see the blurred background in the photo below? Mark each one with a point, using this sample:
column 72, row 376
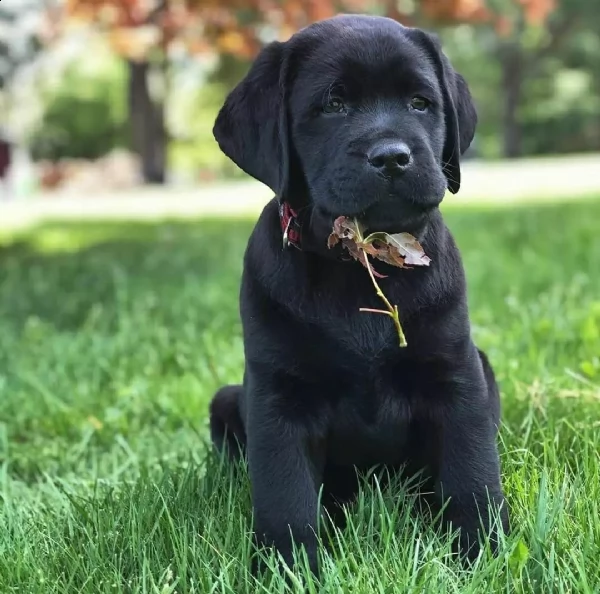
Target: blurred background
column 110, row 96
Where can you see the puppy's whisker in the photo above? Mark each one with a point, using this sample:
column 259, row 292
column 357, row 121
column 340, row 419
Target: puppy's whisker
column 450, row 177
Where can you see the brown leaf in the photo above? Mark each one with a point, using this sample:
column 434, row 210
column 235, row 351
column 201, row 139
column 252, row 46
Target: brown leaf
column 409, row 248
column 400, row 249
column 390, row 256
column 360, row 254
column 345, row 228
column 393, row 249
column 350, row 233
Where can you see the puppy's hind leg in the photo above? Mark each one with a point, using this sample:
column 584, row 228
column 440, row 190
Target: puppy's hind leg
column 492, row 386
column 226, row 426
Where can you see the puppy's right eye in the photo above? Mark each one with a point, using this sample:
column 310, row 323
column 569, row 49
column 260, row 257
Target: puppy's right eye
column 420, row 103
column 334, row 105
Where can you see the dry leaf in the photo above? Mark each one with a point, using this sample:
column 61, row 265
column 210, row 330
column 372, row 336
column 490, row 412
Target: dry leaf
column 350, row 234
column 400, row 249
column 343, row 228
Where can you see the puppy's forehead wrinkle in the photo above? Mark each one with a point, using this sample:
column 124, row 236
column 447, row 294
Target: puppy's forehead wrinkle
column 366, row 45
column 388, row 74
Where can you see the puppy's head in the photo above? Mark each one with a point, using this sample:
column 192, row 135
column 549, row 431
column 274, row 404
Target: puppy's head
column 356, row 115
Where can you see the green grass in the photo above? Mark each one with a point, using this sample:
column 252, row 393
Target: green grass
column 113, row 338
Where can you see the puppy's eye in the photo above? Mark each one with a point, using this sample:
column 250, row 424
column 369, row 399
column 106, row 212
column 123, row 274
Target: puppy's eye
column 334, row 105
column 420, row 103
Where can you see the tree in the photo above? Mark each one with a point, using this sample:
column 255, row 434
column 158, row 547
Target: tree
column 527, row 33
column 521, row 34
column 139, row 32
column 83, row 117
column 144, row 33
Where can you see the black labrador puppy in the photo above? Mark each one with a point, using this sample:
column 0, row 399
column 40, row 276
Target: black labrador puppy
column 362, row 117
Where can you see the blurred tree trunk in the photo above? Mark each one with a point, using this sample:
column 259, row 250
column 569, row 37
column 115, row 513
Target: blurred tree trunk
column 512, row 87
column 147, row 124
column 517, row 63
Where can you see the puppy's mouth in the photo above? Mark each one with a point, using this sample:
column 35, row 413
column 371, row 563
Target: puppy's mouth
column 396, row 220
column 388, row 218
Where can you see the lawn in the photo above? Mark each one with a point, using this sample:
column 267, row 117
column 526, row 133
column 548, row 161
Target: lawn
column 113, row 338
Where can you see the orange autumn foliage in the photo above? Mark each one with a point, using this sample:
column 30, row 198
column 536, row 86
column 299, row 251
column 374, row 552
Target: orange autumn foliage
column 237, row 27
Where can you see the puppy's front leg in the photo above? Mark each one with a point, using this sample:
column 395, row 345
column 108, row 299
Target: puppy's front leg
column 468, row 465
column 285, row 474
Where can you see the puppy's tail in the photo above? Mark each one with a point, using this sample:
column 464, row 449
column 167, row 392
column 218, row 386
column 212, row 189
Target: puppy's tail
column 226, row 424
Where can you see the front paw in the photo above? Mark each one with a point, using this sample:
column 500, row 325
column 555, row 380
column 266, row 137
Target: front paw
column 294, row 555
column 477, row 525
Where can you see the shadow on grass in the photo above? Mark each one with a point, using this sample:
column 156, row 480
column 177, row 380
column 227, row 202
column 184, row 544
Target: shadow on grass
column 60, row 272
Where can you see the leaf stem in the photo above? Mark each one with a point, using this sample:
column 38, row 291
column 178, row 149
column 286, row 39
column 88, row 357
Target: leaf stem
column 392, row 309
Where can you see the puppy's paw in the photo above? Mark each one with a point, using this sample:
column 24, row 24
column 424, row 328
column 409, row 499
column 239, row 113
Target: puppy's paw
column 478, row 526
column 286, row 561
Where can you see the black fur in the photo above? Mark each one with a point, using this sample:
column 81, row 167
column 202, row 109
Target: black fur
column 326, row 388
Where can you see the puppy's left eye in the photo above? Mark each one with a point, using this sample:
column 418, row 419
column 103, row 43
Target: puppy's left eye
column 334, row 105
column 420, row 103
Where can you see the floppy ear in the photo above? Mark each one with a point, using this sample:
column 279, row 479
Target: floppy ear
column 459, row 110
column 251, row 127
column 461, row 121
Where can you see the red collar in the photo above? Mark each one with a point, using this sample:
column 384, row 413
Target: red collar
column 290, row 226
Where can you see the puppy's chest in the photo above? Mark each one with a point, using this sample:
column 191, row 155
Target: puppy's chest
column 371, row 335
column 362, row 334
column 338, row 310
column 369, row 425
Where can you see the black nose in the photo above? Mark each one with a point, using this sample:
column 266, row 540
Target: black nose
column 392, row 158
